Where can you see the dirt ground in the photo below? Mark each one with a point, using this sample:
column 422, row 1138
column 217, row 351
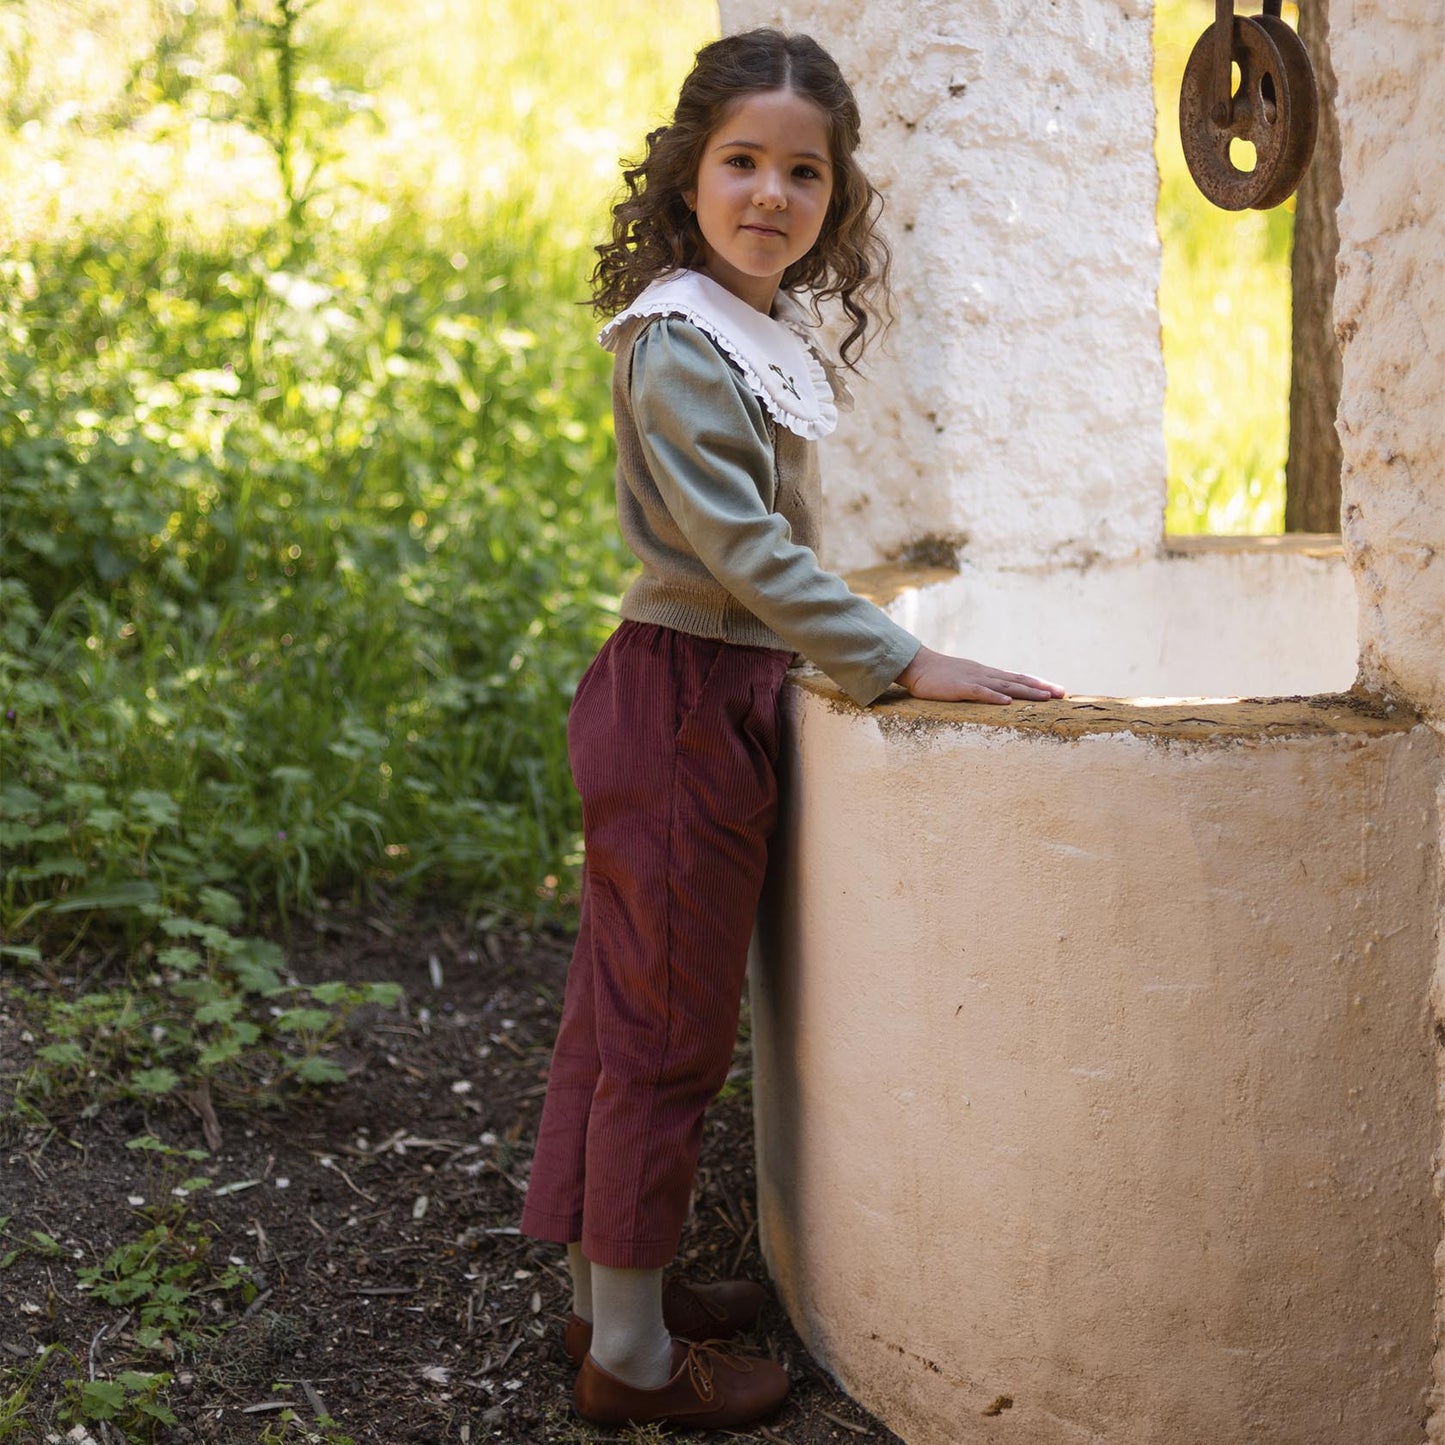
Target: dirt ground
column 378, row 1221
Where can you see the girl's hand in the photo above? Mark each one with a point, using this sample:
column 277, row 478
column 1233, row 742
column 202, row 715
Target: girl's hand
column 941, row 678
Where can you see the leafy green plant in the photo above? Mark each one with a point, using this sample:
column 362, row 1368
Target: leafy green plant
column 170, row 1180
column 307, row 536
column 307, row 528
column 215, row 1012
column 320, row 686
column 158, row 1277
column 132, row 1401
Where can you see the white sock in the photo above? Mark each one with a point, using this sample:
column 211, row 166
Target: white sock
column 581, row 1268
column 629, row 1339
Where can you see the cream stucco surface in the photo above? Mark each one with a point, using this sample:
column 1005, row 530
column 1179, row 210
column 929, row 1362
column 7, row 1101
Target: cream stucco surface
column 1239, row 622
column 1095, row 1073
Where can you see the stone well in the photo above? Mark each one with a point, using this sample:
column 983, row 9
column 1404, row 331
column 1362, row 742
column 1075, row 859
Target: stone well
column 1096, row 1043
column 1096, row 1092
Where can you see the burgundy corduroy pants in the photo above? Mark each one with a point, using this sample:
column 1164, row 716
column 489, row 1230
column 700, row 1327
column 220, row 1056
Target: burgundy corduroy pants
column 673, row 741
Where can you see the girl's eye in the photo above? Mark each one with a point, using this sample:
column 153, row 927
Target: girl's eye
column 741, row 162
column 806, row 173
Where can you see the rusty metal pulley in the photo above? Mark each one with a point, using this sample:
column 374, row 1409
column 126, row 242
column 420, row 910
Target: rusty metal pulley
column 1275, row 109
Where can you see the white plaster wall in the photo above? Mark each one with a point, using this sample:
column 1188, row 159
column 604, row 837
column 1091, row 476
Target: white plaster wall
column 1222, row 624
column 1389, row 58
column 1020, row 403
column 1095, row 1074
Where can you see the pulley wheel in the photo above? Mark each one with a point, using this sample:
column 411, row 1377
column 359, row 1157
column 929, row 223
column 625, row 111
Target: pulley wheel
column 1304, row 97
column 1262, row 114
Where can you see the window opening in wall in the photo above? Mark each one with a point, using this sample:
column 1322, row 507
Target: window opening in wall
column 1249, row 432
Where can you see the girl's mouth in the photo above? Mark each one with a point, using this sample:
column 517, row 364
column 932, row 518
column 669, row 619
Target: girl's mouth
column 763, row 230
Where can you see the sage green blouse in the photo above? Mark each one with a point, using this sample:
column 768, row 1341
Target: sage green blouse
column 721, row 506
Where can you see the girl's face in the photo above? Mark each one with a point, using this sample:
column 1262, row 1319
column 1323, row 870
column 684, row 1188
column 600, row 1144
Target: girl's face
column 762, row 193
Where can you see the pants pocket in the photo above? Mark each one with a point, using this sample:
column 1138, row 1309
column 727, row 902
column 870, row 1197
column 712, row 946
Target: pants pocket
column 700, row 662
column 764, row 720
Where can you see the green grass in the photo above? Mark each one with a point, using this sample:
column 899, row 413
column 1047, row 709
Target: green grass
column 306, row 457
column 307, row 530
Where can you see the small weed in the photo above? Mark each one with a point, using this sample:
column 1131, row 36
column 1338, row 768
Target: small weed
column 288, row 1429
column 17, row 1418
column 132, row 1402
column 646, row 1435
column 159, row 1277
column 562, row 1427
column 737, row 1085
column 169, row 1183
column 36, row 1242
column 215, row 1011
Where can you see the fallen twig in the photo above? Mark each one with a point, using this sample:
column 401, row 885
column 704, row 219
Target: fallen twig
column 101, row 1333
column 313, row 1399
column 327, row 1162
column 198, row 1101
column 735, row 1220
column 263, row 1244
column 239, row 1187
column 852, row 1425
column 410, row 1141
column 509, row 1352
column 743, row 1248
column 257, row 1304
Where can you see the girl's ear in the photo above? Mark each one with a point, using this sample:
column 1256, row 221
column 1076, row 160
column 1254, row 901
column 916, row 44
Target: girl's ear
column 691, row 198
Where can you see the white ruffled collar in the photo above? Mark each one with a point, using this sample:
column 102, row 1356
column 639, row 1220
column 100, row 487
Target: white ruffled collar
column 775, row 353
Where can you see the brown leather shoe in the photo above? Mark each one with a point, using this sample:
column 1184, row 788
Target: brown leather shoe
column 710, row 1389
column 693, row 1312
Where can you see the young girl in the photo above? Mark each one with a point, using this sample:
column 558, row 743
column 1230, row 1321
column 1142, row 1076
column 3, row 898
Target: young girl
column 720, row 393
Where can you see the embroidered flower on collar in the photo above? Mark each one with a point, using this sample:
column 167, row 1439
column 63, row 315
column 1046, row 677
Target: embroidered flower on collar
column 787, row 380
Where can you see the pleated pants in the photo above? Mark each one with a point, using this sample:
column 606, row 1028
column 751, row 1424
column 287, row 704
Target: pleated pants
column 673, row 741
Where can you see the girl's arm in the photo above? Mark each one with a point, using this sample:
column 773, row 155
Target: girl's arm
column 705, row 445
column 703, row 437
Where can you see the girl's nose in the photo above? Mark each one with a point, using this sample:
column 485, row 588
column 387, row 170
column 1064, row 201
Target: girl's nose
column 769, row 192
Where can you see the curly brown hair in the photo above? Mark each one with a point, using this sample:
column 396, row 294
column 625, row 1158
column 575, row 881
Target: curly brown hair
column 654, row 232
